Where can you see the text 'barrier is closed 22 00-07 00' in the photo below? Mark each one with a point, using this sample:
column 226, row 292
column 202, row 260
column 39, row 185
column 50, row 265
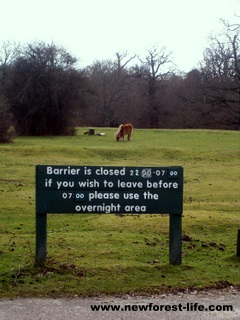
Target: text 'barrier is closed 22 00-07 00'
column 91, row 189
column 98, row 189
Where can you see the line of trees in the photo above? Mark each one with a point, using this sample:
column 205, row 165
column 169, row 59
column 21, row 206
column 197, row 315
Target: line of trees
column 42, row 92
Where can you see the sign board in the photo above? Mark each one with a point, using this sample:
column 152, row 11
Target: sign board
column 97, row 189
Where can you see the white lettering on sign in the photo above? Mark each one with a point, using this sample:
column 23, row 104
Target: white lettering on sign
column 102, row 195
column 150, row 196
column 110, row 172
column 110, row 189
column 65, row 184
column 160, row 184
column 89, row 184
column 99, row 208
column 136, row 208
column 131, row 196
column 110, row 208
column 129, row 184
column 63, row 171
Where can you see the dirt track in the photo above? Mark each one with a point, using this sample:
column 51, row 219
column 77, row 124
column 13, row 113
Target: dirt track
column 79, row 309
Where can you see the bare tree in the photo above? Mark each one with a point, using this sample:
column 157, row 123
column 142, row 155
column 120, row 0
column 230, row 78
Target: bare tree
column 43, row 90
column 9, row 52
column 121, row 64
column 155, row 69
column 108, row 95
column 221, row 80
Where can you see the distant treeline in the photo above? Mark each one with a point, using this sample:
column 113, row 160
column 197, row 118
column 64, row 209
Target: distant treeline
column 42, row 92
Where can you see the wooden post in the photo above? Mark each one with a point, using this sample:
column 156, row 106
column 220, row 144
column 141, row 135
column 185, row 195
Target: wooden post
column 238, row 243
column 91, row 132
column 175, row 245
column 41, row 238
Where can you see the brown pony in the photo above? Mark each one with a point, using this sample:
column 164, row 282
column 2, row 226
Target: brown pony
column 124, row 129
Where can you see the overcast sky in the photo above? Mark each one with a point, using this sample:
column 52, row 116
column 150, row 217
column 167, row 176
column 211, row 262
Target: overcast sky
column 96, row 29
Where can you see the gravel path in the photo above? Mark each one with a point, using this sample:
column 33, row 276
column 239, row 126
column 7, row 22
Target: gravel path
column 80, row 309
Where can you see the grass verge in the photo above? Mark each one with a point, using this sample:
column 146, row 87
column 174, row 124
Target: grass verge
column 112, row 254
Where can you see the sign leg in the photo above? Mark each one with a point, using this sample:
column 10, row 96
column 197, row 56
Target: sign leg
column 41, row 238
column 238, row 243
column 175, row 245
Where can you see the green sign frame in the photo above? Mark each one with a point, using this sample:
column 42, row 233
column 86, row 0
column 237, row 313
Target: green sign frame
column 108, row 189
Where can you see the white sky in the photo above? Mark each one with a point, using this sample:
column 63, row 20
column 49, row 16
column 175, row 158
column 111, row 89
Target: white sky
column 96, row 29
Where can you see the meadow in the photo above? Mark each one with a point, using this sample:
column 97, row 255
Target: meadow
column 97, row 254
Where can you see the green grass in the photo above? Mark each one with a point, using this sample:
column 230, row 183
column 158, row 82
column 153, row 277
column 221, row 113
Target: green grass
column 110, row 254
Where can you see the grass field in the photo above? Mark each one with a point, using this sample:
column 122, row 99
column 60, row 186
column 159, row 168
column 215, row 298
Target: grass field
column 109, row 254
